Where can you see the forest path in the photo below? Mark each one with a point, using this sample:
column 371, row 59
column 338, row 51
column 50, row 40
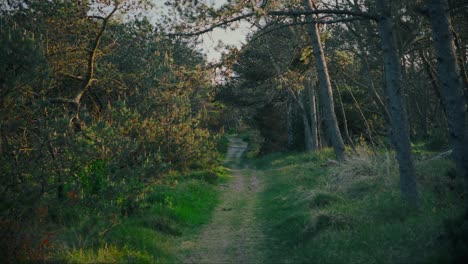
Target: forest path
column 233, row 235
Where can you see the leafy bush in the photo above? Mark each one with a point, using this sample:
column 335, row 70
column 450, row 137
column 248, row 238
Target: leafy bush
column 255, row 142
column 91, row 163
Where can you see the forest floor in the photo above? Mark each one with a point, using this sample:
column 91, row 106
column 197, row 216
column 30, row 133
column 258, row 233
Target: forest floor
column 234, row 234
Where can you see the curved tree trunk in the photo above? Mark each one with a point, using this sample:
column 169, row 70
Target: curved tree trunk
column 452, row 87
column 398, row 118
column 333, row 129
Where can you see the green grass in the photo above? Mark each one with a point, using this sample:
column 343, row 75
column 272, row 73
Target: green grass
column 311, row 210
column 169, row 214
column 316, row 212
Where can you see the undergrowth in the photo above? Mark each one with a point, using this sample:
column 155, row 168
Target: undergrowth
column 152, row 234
column 319, row 212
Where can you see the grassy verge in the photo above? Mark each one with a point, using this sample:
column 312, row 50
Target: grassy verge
column 169, row 214
column 317, row 212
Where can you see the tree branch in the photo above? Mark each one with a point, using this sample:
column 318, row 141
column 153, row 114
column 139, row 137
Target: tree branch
column 97, row 17
column 79, row 78
column 334, row 21
column 292, row 13
column 88, row 80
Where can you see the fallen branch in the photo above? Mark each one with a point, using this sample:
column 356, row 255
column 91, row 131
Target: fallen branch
column 442, row 155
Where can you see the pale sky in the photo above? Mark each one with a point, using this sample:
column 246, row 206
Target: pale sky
column 233, row 37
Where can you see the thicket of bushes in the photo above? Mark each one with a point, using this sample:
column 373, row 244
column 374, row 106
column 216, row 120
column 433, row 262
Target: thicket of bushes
column 72, row 170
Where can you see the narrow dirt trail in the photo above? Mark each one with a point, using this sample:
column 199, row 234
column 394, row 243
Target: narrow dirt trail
column 233, row 235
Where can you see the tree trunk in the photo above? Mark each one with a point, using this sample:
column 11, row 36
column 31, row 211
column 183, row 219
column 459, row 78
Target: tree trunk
column 307, row 133
column 432, row 77
column 290, row 126
column 333, row 129
column 370, row 82
column 305, row 120
column 368, row 126
column 312, row 113
column 398, row 119
column 345, row 120
column 452, row 86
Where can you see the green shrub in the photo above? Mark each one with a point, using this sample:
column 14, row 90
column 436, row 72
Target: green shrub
column 255, row 142
column 223, row 144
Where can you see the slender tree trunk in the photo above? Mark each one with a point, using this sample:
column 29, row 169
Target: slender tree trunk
column 290, row 125
column 461, row 59
column 394, row 92
column 432, row 76
column 305, row 120
column 371, row 86
column 452, row 87
column 312, row 113
column 345, row 120
column 307, row 136
column 368, row 127
column 333, row 129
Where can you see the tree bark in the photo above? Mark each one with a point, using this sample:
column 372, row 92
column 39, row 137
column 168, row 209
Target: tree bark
column 333, row 129
column 312, row 113
column 305, row 120
column 398, row 118
column 452, row 87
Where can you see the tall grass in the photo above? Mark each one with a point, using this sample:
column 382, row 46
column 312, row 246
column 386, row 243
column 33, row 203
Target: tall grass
column 319, row 212
column 364, row 170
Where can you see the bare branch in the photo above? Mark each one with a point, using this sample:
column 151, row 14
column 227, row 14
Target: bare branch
column 297, row 13
column 212, row 27
column 79, row 78
column 334, row 21
column 292, row 13
column 88, row 80
column 97, row 17
column 60, row 100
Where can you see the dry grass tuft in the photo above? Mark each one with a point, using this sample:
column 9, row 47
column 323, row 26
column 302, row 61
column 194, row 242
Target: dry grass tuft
column 364, row 170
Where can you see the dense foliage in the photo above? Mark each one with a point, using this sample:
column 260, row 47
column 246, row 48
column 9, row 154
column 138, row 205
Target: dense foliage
column 141, row 116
